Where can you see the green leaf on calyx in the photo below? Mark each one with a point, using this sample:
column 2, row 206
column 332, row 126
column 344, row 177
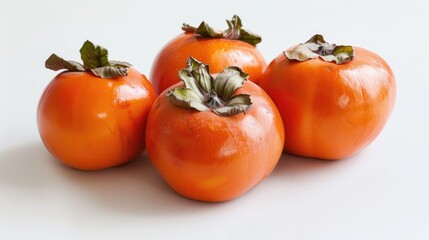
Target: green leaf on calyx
column 94, row 56
column 206, row 31
column 188, row 28
column 57, row 63
column 317, row 47
column 234, row 31
column 203, row 92
column 95, row 60
column 203, row 29
column 249, row 37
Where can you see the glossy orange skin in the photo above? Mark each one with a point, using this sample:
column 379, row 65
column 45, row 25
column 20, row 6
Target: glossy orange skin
column 217, row 53
column 211, row 158
column 90, row 123
column 331, row 111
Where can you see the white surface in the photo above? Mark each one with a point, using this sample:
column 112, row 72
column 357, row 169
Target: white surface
column 381, row 193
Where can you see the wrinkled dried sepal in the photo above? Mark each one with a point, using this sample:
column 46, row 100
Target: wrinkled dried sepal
column 241, row 99
column 200, row 72
column 235, row 31
column 120, row 64
column 344, row 54
column 229, row 81
column 317, row 39
column 300, row 53
column 110, row 71
column 318, row 47
column 234, row 27
column 202, row 92
column 190, row 82
column 187, row 98
column 238, row 104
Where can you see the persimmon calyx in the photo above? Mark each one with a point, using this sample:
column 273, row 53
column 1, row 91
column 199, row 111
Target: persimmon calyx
column 202, row 92
column 235, row 31
column 317, row 47
column 95, row 59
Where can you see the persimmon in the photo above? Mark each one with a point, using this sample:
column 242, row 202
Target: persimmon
column 213, row 139
column 232, row 47
column 334, row 100
column 93, row 116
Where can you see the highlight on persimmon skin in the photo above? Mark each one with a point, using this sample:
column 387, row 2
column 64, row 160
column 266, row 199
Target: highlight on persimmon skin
column 210, row 143
column 332, row 104
column 218, row 49
column 94, row 117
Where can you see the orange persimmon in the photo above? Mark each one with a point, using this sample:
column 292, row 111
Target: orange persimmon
column 233, row 47
column 93, row 115
column 213, row 139
column 334, row 100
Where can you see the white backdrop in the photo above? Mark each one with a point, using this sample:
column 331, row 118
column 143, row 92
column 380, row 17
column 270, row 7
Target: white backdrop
column 381, row 193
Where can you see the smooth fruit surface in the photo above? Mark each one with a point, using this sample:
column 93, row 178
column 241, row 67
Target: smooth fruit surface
column 329, row 110
column 218, row 53
column 92, row 123
column 208, row 157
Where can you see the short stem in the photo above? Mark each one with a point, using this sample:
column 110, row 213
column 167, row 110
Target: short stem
column 235, row 31
column 318, row 47
column 95, row 60
column 202, row 92
column 214, row 102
